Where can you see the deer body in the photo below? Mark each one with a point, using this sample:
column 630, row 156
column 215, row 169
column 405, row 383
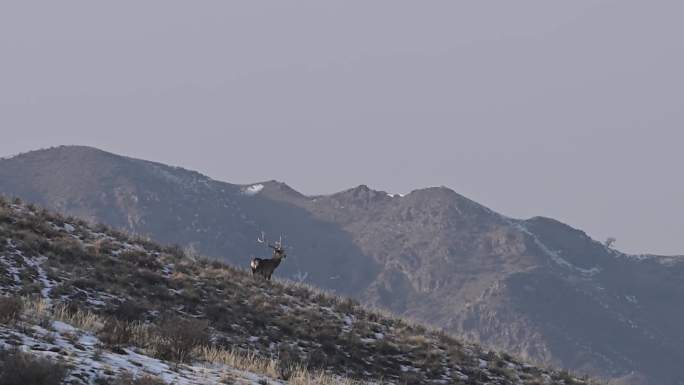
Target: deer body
column 266, row 267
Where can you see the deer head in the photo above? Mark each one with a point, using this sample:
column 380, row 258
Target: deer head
column 278, row 248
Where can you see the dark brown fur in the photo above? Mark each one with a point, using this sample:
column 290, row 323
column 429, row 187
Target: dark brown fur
column 265, row 267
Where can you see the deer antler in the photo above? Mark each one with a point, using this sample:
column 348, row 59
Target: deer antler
column 262, row 240
column 278, row 244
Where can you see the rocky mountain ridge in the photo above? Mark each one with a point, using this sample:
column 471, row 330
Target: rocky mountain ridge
column 536, row 287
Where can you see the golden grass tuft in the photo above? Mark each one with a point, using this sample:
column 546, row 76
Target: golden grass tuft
column 250, row 361
column 36, row 309
column 81, row 319
column 39, row 311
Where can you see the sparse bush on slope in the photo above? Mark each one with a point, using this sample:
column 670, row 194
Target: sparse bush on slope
column 10, row 309
column 18, row 368
column 179, row 337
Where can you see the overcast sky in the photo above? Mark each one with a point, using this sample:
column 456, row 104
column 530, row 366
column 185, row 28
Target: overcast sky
column 569, row 109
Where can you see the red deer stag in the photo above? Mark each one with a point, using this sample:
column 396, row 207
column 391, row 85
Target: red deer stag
column 265, row 267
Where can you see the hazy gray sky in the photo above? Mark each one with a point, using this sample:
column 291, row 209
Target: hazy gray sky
column 569, row 109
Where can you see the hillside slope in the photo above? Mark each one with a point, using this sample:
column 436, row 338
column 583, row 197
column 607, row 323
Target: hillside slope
column 177, row 206
column 107, row 304
column 537, row 288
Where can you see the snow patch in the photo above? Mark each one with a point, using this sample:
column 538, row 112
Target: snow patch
column 89, row 361
column 62, row 327
column 253, row 189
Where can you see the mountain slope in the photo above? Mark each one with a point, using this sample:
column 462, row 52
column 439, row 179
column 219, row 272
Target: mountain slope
column 535, row 287
column 183, row 207
column 107, row 304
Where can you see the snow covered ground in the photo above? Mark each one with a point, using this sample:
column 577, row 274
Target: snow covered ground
column 83, row 352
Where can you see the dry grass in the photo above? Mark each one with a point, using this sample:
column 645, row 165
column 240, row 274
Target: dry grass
column 115, row 333
column 250, row 361
column 81, row 319
column 38, row 310
column 174, row 339
column 302, row 376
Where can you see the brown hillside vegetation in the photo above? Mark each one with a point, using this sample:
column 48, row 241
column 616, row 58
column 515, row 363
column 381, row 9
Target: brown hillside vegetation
column 136, row 298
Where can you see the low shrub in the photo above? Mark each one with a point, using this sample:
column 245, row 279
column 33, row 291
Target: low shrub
column 129, row 311
column 10, row 309
column 69, row 249
column 4, row 214
column 175, row 251
column 178, row 337
column 18, row 368
column 115, row 333
column 346, row 305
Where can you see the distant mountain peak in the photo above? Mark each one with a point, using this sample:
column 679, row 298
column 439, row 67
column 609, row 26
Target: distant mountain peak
column 360, row 189
column 361, row 195
column 62, row 150
column 278, row 190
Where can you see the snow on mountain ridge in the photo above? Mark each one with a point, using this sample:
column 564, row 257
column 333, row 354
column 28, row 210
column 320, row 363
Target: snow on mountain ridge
column 253, row 189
